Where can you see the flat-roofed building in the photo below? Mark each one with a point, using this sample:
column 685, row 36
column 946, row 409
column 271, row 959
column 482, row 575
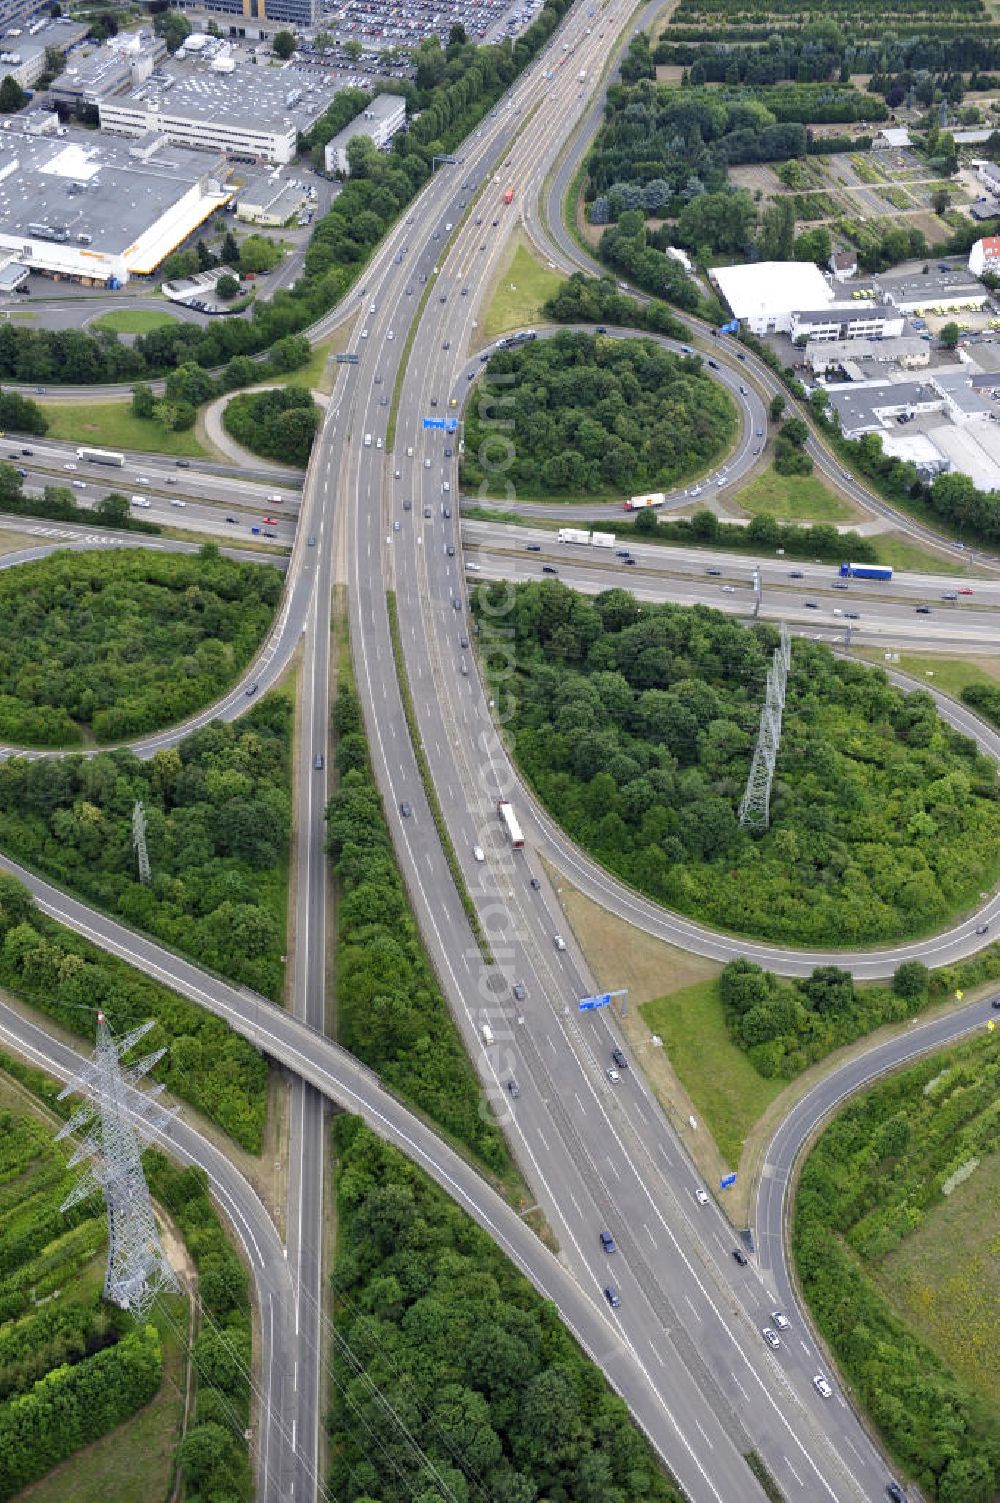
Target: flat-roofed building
column 381, row 119
column 214, row 104
column 100, row 211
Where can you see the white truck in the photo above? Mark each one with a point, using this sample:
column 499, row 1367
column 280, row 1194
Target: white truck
column 602, row 539
column 573, row 535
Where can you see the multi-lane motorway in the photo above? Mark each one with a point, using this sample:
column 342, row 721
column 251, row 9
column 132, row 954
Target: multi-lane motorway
column 684, row 1345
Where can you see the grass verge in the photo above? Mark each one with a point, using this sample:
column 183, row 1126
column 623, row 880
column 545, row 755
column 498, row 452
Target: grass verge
column 950, row 675
column 797, row 498
column 132, row 321
column 523, row 286
column 428, row 782
column 901, row 553
column 728, row 1093
column 112, row 425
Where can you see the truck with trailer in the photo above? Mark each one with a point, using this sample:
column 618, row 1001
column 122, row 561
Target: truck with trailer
column 102, row 456
column 509, row 821
column 865, row 571
column 652, row 498
column 580, row 535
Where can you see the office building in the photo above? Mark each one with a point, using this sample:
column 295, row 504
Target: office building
column 23, row 54
column 380, row 120
column 124, row 62
column 207, row 102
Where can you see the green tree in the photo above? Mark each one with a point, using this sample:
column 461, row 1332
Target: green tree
column 12, row 96
column 229, row 255
column 950, row 335
column 227, row 287
column 777, row 407
column 910, row 980
column 143, row 401
column 283, row 44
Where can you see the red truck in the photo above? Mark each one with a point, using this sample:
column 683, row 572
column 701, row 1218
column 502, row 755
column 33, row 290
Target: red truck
column 508, row 197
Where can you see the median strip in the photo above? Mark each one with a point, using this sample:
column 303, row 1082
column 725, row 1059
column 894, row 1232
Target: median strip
column 423, row 765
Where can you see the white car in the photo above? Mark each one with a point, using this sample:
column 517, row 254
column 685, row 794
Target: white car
column 409, row 452
column 728, row 589
column 427, row 464
column 478, row 853
column 781, row 1321
column 701, row 1196
column 559, row 942
column 80, row 485
column 771, row 1337
column 613, row 1075
column 69, row 466
column 176, row 501
column 822, row 1386
column 364, row 333
column 378, row 443
column 390, row 335
column 142, row 501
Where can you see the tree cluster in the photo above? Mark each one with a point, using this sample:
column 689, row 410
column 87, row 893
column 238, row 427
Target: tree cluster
column 875, row 1175
column 217, row 820
column 68, row 978
column 390, row 1010
column 280, row 423
column 213, row 1454
column 496, row 1392
column 763, row 534
column 589, row 415
column 597, row 300
column 120, row 643
column 635, row 724
column 58, row 503
column 985, row 698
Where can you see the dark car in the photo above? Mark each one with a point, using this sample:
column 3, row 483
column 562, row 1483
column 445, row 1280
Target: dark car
column 713, row 365
column 231, row 521
column 811, row 605
column 456, row 602
column 549, row 569
column 740, row 1256
column 608, row 1242
column 995, row 1003
column 318, row 762
column 448, row 453
column 463, row 640
column 612, row 1296
column 251, row 689
column 405, row 809
column 895, row 1492
column 533, row 547
column 407, row 504
column 923, row 610
column 628, row 560
column 451, row 550
column 796, row 574
column 519, row 991
column 28, row 452
column 983, row 929
column 713, row 571
column 536, row 885
column 601, row 329
column 619, row 1059
column 513, row 1088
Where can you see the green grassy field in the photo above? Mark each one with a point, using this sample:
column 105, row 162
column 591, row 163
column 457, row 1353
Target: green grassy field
column 944, row 1279
column 106, row 1470
column 111, row 425
column 902, row 554
column 132, row 321
column 951, row 675
column 728, row 1093
column 525, row 284
column 797, row 498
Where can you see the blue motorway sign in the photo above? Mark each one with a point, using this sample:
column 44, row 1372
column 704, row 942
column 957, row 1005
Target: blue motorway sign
column 588, row 1004
column 346, row 359
column 727, row 1181
column 434, row 423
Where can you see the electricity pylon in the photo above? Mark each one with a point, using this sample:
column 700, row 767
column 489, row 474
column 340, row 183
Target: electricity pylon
column 755, row 805
column 118, row 1118
column 139, row 840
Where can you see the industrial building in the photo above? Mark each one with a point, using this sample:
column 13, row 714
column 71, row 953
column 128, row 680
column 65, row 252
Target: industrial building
column 271, row 202
column 765, row 295
column 23, row 53
column 88, row 209
column 205, row 101
column 869, row 406
column 124, row 62
column 905, row 350
column 937, row 289
column 380, row 120
column 843, row 321
column 18, row 16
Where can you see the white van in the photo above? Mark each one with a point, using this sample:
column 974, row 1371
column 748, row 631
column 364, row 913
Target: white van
column 487, row 1035
column 378, row 443
column 274, row 500
column 368, row 440
column 139, row 501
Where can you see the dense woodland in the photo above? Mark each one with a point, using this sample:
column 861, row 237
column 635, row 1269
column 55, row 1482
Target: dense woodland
column 491, row 1385
column 217, row 819
column 390, row 1010
column 70, row 1368
column 280, row 423
column 874, row 1176
column 587, row 415
column 68, row 978
column 119, row 643
column 636, row 723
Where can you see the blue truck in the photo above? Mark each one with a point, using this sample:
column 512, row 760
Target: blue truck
column 865, row 571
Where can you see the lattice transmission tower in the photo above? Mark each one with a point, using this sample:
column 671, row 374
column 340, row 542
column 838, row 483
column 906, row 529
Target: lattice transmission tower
column 117, row 1119
column 139, row 840
column 755, row 805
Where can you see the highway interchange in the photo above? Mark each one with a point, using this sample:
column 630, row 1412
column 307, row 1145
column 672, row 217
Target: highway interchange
column 684, row 1347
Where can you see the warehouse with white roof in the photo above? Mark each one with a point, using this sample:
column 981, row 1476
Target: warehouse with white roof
column 764, row 295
